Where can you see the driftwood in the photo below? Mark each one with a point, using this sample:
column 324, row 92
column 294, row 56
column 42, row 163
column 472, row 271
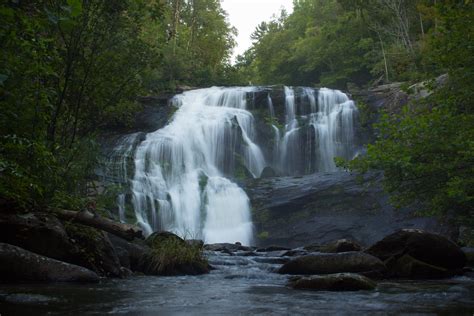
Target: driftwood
column 125, row 231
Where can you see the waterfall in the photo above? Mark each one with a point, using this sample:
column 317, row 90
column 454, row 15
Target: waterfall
column 179, row 182
column 181, row 178
column 326, row 130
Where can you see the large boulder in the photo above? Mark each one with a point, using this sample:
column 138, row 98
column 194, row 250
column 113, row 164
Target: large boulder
column 41, row 233
column 418, row 254
column 44, row 234
column 130, row 253
column 171, row 255
column 328, row 263
column 340, row 245
column 333, row 282
column 408, row 267
column 20, row 265
column 93, row 250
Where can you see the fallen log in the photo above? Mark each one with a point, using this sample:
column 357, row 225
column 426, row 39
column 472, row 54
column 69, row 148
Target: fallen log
column 125, row 231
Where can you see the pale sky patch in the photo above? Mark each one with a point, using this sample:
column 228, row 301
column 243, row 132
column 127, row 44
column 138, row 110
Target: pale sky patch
column 245, row 15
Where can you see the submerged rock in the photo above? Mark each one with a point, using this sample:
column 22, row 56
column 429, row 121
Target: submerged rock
column 273, row 248
column 227, row 247
column 328, row 263
column 20, row 265
column 419, row 254
column 334, row 282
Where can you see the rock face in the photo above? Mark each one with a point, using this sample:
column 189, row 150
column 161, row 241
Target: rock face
column 20, row 265
column 323, row 207
column 334, row 282
column 419, row 254
column 333, row 263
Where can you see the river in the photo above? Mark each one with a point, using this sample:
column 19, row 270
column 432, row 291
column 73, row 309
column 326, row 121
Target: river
column 239, row 285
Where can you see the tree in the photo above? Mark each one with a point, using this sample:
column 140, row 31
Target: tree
column 427, row 151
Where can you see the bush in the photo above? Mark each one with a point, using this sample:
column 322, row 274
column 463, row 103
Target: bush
column 171, row 255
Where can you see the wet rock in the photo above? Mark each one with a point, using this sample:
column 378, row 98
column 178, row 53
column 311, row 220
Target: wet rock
column 341, row 245
column 323, row 207
column 37, row 232
column 418, row 254
column 328, row 263
column 408, row 267
column 334, row 282
column 469, row 253
column 171, row 255
column 160, row 237
column 313, row 248
column 129, row 253
column 20, row 265
column 271, row 260
column 295, row 253
column 226, row 247
column 44, row 234
column 268, row 172
column 273, row 248
column 93, row 250
column 246, row 253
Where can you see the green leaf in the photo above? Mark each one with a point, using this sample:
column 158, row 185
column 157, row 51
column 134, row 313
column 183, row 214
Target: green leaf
column 3, row 78
column 76, row 7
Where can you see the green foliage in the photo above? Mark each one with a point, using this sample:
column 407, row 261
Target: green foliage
column 72, row 68
column 172, row 255
column 427, row 151
column 263, row 235
column 338, row 42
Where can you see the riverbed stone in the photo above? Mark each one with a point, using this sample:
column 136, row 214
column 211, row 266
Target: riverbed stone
column 227, row 247
column 328, row 263
column 429, row 255
column 333, row 282
column 20, row 265
column 341, row 245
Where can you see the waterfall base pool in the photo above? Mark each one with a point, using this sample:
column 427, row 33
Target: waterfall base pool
column 239, row 285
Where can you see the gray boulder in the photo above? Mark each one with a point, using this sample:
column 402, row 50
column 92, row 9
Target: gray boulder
column 333, row 282
column 340, row 245
column 328, row 263
column 20, row 265
column 44, row 234
column 415, row 253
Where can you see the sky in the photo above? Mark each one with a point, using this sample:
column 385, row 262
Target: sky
column 245, row 15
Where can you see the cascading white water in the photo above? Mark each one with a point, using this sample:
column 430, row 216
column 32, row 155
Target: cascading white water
column 179, row 182
column 182, row 173
column 331, row 135
column 334, row 127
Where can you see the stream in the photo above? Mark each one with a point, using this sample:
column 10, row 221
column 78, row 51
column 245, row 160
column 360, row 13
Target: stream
column 239, row 285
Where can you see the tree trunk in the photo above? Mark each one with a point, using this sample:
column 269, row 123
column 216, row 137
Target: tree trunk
column 125, row 231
